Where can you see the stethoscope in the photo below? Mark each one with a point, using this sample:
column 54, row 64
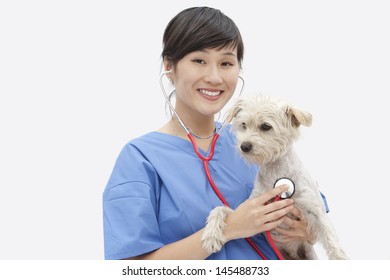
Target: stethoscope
column 206, row 159
column 287, row 194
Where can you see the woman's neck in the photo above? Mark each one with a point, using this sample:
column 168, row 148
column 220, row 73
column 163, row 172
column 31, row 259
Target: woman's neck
column 200, row 128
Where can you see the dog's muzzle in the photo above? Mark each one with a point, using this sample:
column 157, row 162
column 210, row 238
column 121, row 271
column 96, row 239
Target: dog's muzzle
column 246, row 147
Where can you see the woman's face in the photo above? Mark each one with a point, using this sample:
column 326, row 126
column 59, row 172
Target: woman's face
column 205, row 81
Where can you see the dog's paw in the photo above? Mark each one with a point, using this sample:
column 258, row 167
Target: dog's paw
column 213, row 237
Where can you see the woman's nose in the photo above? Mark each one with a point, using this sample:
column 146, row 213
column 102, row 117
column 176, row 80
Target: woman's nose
column 213, row 75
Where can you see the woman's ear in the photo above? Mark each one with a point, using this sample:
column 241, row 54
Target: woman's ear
column 168, row 67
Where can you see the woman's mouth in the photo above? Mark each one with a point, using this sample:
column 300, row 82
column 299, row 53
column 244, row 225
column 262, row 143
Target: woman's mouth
column 210, row 94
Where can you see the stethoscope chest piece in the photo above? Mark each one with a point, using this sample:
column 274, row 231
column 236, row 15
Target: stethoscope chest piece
column 291, row 187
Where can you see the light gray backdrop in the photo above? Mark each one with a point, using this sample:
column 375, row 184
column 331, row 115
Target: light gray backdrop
column 78, row 79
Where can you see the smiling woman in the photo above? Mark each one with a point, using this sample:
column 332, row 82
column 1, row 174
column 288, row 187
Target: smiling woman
column 157, row 199
column 80, row 78
column 204, row 81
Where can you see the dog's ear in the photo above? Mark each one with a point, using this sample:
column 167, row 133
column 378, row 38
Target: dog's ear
column 232, row 113
column 299, row 117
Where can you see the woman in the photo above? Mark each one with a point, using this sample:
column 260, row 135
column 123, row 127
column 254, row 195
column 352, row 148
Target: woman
column 157, row 199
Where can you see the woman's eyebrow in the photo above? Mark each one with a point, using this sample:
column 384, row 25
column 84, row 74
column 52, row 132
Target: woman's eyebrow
column 229, row 53
column 225, row 53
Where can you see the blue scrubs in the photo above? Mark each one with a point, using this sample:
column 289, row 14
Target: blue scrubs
column 158, row 193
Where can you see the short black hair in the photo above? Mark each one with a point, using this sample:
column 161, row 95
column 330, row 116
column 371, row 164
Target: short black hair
column 199, row 28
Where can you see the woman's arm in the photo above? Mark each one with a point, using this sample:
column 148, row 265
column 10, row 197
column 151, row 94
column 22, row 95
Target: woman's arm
column 189, row 248
column 252, row 217
column 256, row 215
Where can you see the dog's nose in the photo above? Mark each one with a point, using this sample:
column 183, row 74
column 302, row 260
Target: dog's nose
column 246, row 147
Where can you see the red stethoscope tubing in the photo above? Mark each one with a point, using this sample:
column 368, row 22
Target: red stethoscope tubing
column 205, row 161
column 271, row 241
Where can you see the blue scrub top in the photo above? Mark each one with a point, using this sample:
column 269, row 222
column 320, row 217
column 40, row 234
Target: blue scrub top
column 158, row 193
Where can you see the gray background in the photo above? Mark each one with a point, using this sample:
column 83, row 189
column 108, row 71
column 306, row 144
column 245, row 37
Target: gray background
column 78, row 79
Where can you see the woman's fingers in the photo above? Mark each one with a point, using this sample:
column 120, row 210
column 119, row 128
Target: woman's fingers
column 263, row 199
column 278, row 205
column 296, row 229
column 256, row 215
column 297, row 213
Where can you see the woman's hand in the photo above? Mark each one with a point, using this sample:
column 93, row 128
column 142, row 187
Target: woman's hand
column 256, row 215
column 297, row 230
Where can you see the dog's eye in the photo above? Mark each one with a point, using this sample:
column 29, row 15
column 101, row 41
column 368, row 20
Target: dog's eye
column 265, row 127
column 243, row 125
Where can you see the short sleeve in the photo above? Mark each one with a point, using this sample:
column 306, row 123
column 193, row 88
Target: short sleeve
column 130, row 208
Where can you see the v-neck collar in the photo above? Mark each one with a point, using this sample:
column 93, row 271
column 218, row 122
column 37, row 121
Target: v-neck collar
column 181, row 143
column 185, row 144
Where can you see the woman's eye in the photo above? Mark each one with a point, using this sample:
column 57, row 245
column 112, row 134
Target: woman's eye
column 199, row 61
column 227, row 64
column 265, row 127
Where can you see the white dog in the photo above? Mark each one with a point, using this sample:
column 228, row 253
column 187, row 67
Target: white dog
column 266, row 129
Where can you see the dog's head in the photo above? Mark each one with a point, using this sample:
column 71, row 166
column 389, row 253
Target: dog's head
column 265, row 127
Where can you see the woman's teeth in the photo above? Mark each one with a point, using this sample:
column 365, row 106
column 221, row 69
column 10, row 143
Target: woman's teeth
column 210, row 93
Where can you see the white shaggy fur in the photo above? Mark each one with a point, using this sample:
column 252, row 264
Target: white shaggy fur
column 213, row 237
column 266, row 129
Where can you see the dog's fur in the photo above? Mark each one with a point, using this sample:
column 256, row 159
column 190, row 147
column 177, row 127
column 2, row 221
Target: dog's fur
column 266, row 129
